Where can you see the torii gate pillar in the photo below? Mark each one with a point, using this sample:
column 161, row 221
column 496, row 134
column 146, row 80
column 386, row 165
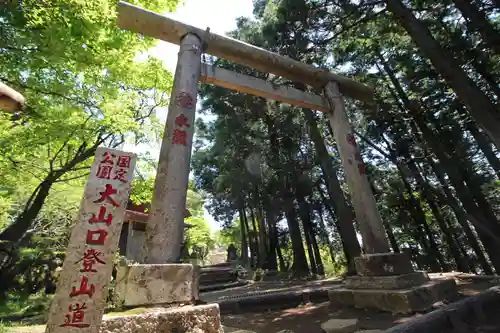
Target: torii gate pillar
column 365, row 209
column 165, row 227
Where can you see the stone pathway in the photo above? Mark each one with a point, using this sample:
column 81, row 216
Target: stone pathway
column 266, row 287
column 307, row 318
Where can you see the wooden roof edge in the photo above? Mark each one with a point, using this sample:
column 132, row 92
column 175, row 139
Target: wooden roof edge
column 7, row 91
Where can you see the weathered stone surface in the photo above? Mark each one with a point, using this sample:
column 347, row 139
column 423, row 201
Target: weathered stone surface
column 156, row 284
column 387, row 282
column 381, row 264
column 340, row 326
column 82, row 283
column 236, row 330
column 196, row 282
column 419, row 298
column 192, row 319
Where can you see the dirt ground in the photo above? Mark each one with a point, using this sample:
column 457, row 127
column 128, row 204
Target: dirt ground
column 309, row 318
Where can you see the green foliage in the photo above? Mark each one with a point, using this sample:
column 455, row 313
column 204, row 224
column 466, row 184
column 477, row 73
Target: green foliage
column 85, row 87
column 229, row 235
column 199, row 237
column 26, row 305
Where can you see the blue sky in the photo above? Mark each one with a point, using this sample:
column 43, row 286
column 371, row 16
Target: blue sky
column 220, row 16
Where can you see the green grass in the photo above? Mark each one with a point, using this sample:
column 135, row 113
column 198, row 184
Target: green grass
column 25, row 327
column 32, row 305
column 6, row 328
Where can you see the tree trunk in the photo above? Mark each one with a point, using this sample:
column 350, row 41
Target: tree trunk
column 16, row 230
column 339, row 203
column 487, row 231
column 426, row 194
column 299, row 266
column 317, row 254
column 484, row 144
column 478, row 22
column 448, row 199
column 391, row 237
column 479, row 60
column 282, row 265
column 255, row 250
column 481, row 108
column 351, row 269
column 436, row 259
column 271, row 262
column 244, row 233
column 261, row 233
column 482, row 140
column 306, row 223
column 324, row 234
column 417, row 232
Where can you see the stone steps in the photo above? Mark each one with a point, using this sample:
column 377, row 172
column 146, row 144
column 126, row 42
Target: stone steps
column 272, row 301
column 221, row 286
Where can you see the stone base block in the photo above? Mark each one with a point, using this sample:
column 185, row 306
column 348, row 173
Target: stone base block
column 192, row 319
column 379, row 264
column 340, row 326
column 411, row 300
column 138, row 285
column 387, row 282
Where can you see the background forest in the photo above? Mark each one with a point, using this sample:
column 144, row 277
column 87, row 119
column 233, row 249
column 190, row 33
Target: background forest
column 268, row 172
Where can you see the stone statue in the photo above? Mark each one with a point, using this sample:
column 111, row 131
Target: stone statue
column 232, row 253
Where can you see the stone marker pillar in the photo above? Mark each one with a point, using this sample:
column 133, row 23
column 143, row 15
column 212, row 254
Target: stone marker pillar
column 78, row 305
column 164, row 230
column 365, row 209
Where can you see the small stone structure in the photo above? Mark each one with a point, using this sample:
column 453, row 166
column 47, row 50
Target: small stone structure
column 232, row 253
column 133, row 231
column 387, row 281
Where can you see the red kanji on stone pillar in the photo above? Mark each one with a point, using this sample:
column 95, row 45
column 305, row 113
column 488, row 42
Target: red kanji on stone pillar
column 182, row 121
column 351, row 139
column 90, row 258
column 96, row 237
column 179, row 137
column 106, row 194
column 108, row 158
column 104, row 171
column 76, row 317
column 121, row 175
column 184, row 100
column 101, row 218
column 84, row 289
column 123, row 161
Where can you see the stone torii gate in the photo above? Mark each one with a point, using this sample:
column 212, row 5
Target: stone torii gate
column 165, row 225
